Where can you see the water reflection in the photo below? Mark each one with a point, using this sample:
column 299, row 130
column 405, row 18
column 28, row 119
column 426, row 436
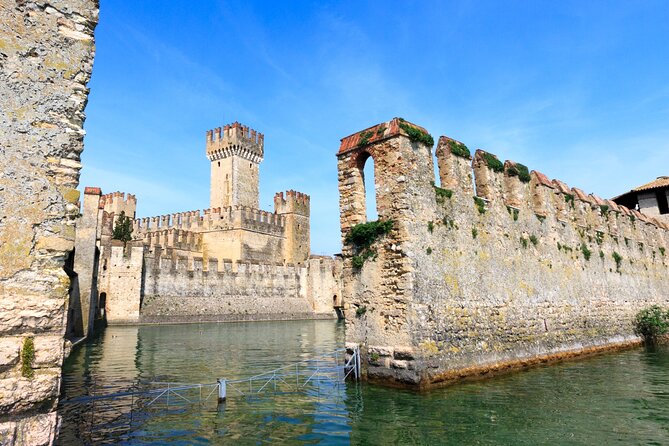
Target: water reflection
column 619, row 398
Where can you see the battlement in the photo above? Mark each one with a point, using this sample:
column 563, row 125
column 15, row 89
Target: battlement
column 235, row 139
column 230, row 217
column 292, row 202
column 514, row 185
column 173, row 238
column 117, row 202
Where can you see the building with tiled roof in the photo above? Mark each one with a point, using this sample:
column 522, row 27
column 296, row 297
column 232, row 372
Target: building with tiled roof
column 651, row 198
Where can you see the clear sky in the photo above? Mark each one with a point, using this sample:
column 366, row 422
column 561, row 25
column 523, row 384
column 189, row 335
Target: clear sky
column 578, row 90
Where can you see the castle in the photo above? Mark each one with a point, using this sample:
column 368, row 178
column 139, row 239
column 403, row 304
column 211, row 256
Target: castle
column 232, row 261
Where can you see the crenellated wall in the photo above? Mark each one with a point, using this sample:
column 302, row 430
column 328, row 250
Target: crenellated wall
column 179, row 289
column 520, row 269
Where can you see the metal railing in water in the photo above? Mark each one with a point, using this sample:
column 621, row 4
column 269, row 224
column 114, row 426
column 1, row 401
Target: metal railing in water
column 320, row 376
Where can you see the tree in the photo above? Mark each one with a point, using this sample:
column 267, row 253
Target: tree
column 123, row 228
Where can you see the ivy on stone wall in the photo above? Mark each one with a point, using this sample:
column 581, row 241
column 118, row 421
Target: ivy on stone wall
column 362, row 236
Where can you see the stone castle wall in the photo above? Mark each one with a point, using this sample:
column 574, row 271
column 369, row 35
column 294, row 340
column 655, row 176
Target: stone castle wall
column 529, row 270
column 46, row 57
column 192, row 290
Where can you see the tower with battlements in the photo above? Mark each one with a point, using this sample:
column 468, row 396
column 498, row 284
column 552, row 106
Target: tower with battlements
column 235, row 152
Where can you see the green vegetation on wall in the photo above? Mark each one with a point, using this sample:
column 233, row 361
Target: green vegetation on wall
column 459, row 149
column 480, row 204
column 521, row 171
column 492, row 162
column 586, row 252
column 618, row 259
column 442, row 194
column 362, row 236
column 28, row 357
column 651, row 322
column 415, row 134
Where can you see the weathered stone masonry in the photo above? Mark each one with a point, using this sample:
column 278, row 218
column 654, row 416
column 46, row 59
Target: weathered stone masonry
column 528, row 271
column 46, row 57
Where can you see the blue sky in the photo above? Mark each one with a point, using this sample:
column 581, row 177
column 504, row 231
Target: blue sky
column 577, row 90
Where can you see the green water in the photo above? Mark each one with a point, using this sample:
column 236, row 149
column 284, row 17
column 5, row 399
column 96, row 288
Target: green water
column 621, row 398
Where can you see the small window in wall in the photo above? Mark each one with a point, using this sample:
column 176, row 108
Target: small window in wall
column 250, row 165
column 662, row 201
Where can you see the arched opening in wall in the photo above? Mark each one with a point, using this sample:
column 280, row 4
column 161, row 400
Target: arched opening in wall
column 369, row 180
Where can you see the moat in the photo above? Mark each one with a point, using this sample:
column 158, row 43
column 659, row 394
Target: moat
column 618, row 398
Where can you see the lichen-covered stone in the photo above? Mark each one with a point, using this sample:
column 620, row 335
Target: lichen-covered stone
column 46, row 57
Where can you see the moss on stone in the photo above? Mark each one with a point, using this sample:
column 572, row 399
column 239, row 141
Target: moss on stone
column 521, row 171
column 459, row 149
column 28, row 357
column 416, row 135
column 480, row 205
column 492, row 162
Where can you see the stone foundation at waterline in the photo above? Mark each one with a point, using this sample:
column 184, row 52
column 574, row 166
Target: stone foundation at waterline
column 46, row 57
column 470, row 280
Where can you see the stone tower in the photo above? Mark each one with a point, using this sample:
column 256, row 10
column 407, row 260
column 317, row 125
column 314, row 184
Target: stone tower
column 295, row 206
column 235, row 152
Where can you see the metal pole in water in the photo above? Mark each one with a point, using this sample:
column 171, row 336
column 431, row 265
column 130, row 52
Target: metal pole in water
column 222, row 391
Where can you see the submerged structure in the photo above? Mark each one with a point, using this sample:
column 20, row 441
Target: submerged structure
column 232, row 261
column 498, row 267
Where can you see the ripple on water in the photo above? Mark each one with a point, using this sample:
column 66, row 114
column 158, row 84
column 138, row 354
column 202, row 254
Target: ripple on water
column 620, row 398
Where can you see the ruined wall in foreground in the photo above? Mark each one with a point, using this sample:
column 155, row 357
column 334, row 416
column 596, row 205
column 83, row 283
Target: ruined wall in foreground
column 462, row 286
column 46, row 56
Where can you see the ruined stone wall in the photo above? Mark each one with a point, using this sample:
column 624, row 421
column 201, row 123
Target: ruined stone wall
column 46, row 56
column 183, row 290
column 530, row 270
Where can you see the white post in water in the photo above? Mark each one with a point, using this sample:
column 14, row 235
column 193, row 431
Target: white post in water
column 221, row 390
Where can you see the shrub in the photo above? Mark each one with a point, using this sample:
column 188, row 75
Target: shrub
column 618, row 259
column 492, row 162
column 28, row 357
column 514, row 212
column 442, row 194
column 475, row 232
column 601, row 255
column 586, row 252
column 604, row 210
column 651, row 322
column 362, row 236
column 430, row 226
column 480, row 205
column 374, row 356
column 380, row 130
column 360, row 311
column 428, row 250
column 521, row 171
column 599, row 236
column 416, row 135
column 534, row 239
column 459, row 149
column 523, row 241
column 662, row 250
column 569, row 199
